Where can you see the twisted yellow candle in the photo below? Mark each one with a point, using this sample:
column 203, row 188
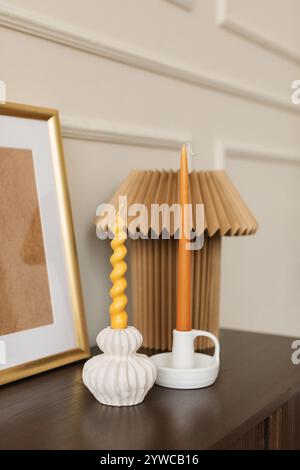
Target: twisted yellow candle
column 116, row 310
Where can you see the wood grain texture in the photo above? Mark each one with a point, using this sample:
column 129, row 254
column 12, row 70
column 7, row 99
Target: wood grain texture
column 284, row 426
column 55, row 411
column 252, row 440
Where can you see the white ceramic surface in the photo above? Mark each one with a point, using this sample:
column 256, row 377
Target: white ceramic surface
column 183, row 368
column 120, row 376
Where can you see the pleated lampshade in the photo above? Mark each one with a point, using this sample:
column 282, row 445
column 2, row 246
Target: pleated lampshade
column 153, row 262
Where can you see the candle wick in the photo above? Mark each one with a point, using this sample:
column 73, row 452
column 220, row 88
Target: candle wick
column 190, row 154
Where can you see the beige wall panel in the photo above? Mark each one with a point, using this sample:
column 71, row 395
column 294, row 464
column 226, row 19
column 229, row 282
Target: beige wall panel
column 240, row 97
column 189, row 38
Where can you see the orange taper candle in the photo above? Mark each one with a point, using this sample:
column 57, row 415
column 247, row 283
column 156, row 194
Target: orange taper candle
column 183, row 321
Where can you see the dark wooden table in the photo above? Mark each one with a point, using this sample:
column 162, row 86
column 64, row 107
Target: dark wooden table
column 254, row 404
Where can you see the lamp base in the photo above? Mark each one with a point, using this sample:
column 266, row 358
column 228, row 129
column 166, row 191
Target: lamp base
column 185, row 369
column 120, row 376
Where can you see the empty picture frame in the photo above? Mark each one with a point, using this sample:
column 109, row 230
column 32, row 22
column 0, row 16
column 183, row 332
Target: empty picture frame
column 42, row 322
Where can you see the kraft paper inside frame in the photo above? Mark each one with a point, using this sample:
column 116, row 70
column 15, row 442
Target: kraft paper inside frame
column 24, row 290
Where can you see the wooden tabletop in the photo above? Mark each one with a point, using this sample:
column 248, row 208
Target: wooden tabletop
column 55, row 411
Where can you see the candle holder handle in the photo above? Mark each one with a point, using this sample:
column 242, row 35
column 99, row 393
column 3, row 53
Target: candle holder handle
column 183, row 351
column 214, row 339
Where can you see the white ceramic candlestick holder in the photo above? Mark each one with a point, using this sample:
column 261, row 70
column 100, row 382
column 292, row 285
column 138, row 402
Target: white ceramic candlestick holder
column 183, row 368
column 119, row 376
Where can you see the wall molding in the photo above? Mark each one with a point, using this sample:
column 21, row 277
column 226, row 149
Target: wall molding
column 50, row 29
column 224, row 150
column 185, row 4
column 227, row 21
column 123, row 134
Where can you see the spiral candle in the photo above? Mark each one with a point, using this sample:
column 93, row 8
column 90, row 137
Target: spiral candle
column 116, row 310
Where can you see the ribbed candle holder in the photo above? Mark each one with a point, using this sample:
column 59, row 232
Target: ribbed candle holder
column 120, row 376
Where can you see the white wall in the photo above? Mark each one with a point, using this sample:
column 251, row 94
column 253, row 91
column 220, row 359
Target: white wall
column 132, row 79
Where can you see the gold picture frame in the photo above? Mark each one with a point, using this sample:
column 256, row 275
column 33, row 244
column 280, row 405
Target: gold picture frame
column 81, row 350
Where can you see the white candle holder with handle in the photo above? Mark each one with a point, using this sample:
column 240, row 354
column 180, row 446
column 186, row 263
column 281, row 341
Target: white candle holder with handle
column 183, row 368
